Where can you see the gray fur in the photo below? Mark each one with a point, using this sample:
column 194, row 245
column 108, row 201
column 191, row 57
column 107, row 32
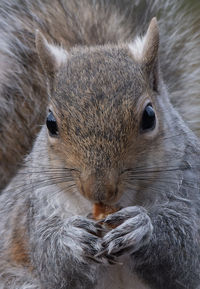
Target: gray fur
column 134, row 232
column 158, row 180
column 23, row 94
column 47, row 240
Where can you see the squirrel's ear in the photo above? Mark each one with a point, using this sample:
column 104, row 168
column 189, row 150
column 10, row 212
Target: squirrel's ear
column 151, row 44
column 51, row 57
column 145, row 50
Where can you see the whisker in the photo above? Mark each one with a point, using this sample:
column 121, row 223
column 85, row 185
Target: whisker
column 44, row 185
column 135, row 191
column 146, row 169
column 50, row 168
column 35, row 183
column 163, row 181
column 43, row 172
column 149, row 179
column 174, row 196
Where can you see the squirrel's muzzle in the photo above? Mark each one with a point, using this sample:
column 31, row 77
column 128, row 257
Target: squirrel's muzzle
column 99, row 188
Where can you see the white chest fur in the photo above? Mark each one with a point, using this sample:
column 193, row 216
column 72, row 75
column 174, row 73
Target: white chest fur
column 112, row 276
column 119, row 277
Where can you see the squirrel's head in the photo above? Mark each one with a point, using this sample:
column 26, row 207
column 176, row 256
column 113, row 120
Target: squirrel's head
column 103, row 114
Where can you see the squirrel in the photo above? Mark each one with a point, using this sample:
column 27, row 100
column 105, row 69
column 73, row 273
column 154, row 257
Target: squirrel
column 23, row 93
column 112, row 137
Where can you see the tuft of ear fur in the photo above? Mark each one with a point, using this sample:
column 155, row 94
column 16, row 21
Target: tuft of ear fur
column 51, row 56
column 145, row 49
column 151, row 44
column 145, row 52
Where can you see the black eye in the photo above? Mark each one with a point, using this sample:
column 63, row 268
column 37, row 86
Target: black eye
column 148, row 118
column 52, row 124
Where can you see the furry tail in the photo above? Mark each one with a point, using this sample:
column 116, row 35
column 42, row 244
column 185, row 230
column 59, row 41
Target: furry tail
column 179, row 23
column 23, row 94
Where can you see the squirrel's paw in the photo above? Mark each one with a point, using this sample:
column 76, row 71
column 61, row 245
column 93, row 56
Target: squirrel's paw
column 133, row 230
column 84, row 238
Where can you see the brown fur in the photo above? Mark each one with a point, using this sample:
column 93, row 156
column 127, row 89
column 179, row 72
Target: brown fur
column 23, row 92
column 98, row 97
column 84, row 109
column 19, row 250
column 19, row 247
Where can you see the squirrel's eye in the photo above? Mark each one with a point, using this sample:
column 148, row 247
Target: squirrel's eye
column 148, row 118
column 52, row 124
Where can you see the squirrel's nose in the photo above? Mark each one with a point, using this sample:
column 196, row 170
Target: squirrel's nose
column 99, row 189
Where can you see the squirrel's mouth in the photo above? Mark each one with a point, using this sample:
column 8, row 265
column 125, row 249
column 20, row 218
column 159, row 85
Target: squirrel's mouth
column 102, row 196
column 101, row 211
column 100, row 189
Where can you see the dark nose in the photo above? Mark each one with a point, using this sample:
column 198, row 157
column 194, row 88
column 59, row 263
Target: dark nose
column 99, row 189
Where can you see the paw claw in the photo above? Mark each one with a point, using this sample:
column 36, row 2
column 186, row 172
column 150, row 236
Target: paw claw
column 101, row 253
column 93, row 259
column 133, row 231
